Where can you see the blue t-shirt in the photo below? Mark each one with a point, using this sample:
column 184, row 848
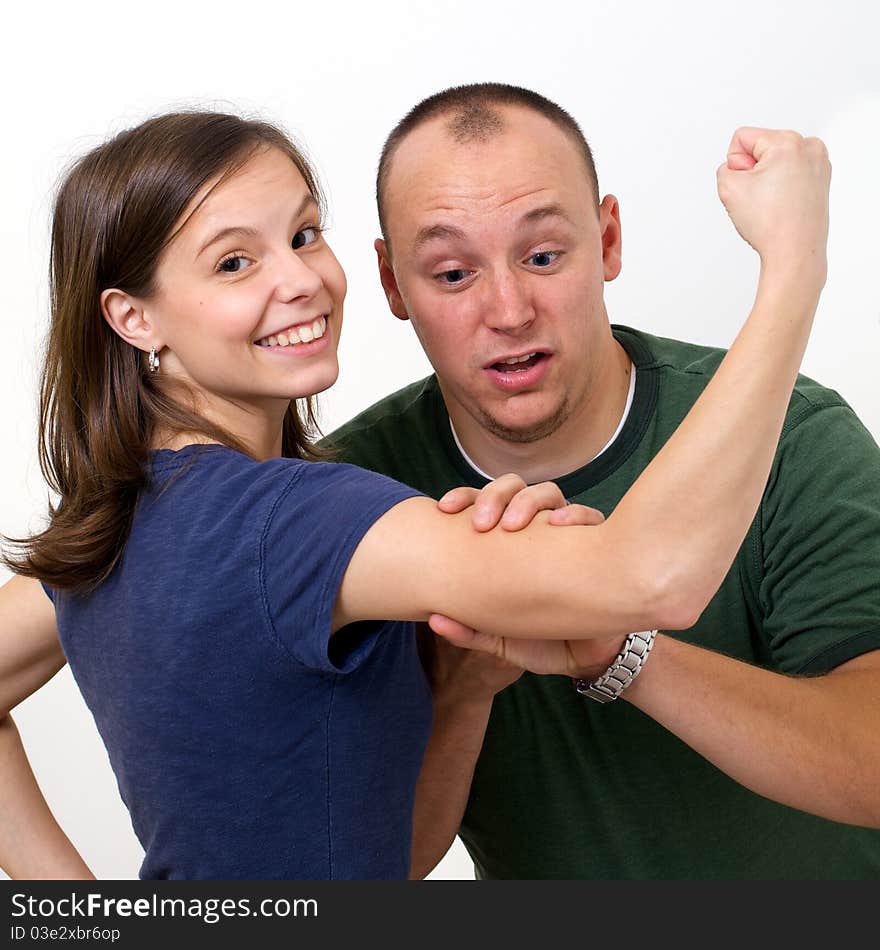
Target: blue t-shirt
column 246, row 742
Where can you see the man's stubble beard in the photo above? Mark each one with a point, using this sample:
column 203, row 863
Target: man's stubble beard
column 524, row 436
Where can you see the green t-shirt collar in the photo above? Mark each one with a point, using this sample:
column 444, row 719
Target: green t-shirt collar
column 574, row 483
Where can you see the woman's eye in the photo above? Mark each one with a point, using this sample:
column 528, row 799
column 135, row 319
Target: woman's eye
column 304, row 237
column 544, row 258
column 454, row 276
column 233, row 264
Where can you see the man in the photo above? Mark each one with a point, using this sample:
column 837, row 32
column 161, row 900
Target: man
column 745, row 746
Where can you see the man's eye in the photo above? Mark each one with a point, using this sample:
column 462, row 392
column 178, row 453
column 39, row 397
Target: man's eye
column 304, row 237
column 544, row 258
column 233, row 264
column 455, row 276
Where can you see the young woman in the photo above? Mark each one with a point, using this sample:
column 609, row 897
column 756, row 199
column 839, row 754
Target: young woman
column 238, row 614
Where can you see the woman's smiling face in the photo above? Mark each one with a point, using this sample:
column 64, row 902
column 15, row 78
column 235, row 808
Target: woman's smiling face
column 249, row 296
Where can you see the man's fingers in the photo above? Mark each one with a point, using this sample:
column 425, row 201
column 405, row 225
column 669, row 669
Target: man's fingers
column 449, row 628
column 461, row 636
column 508, row 501
column 458, row 499
column 523, row 507
column 576, row 514
column 494, row 500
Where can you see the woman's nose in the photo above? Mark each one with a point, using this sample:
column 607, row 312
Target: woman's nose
column 295, row 278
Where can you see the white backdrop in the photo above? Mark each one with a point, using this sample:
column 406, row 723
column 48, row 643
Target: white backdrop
column 658, row 89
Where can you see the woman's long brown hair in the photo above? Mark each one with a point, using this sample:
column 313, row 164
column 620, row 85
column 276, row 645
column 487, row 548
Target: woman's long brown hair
column 100, row 407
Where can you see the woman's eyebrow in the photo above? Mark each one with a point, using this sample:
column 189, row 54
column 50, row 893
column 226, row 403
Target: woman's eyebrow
column 225, row 233
column 244, row 231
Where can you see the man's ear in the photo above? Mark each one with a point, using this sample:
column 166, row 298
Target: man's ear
column 389, row 281
column 609, row 226
column 127, row 318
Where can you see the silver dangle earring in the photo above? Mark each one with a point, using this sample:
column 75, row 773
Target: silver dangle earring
column 154, row 360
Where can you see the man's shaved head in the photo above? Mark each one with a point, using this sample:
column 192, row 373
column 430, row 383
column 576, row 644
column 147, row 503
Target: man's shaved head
column 475, row 122
column 474, row 116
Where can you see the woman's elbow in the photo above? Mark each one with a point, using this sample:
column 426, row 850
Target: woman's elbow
column 670, row 603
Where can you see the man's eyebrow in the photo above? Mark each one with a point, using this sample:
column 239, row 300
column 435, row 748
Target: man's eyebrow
column 546, row 211
column 251, row 232
column 440, row 232
column 437, row 232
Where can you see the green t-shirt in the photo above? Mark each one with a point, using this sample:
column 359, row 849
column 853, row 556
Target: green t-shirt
column 568, row 788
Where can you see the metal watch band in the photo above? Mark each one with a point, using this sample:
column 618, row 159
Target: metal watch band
column 622, row 671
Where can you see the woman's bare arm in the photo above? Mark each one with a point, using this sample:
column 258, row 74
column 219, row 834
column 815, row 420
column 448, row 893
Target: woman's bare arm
column 32, row 845
column 661, row 555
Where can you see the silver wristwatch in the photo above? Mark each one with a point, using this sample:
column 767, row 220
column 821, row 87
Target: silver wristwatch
column 622, row 671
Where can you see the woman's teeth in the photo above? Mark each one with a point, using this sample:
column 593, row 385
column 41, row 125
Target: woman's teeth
column 304, row 333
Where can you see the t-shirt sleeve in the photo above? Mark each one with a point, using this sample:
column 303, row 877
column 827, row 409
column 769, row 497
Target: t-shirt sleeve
column 820, row 530
column 312, row 531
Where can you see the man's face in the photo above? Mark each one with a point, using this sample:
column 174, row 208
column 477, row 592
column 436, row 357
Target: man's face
column 498, row 255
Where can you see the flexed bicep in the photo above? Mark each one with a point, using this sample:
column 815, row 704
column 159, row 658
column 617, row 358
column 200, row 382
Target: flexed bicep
column 543, row 580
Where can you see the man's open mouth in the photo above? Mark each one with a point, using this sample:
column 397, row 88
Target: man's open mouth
column 518, row 364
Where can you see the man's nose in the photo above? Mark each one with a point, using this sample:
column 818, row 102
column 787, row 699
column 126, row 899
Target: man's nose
column 295, row 278
column 509, row 307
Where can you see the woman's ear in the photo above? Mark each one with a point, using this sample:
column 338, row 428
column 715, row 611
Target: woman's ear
column 128, row 318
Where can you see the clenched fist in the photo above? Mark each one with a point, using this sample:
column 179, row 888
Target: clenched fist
column 775, row 186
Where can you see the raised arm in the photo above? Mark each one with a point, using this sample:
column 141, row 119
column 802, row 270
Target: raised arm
column 660, row 557
column 32, row 845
